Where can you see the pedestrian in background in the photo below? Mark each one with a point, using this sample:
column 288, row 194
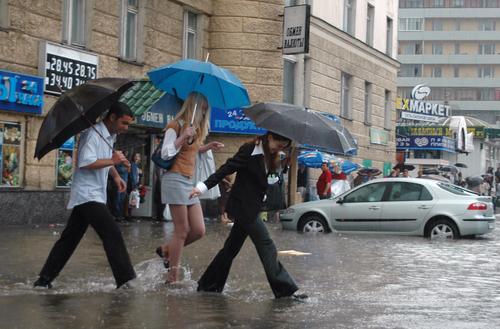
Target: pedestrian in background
column 134, row 180
column 121, row 196
column 88, row 200
column 183, row 140
column 324, row 183
column 255, row 164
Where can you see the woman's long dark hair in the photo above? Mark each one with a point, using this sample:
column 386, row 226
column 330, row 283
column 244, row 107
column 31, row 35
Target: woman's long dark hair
column 272, row 160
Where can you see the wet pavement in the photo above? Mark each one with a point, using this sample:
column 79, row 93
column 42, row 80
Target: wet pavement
column 354, row 281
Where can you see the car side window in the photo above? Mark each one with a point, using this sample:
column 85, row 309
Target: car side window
column 368, row 193
column 402, row 191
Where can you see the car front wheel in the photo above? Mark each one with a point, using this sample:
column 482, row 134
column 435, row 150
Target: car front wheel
column 313, row 224
column 443, row 229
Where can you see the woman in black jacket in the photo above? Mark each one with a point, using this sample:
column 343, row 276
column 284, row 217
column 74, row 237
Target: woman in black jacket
column 254, row 163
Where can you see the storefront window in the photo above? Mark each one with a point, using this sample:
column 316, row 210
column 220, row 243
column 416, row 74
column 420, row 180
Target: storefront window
column 10, row 153
column 64, row 163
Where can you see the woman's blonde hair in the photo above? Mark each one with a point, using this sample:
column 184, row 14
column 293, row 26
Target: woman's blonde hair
column 201, row 122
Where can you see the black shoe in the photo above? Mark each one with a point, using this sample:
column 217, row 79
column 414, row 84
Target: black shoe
column 159, row 252
column 42, row 283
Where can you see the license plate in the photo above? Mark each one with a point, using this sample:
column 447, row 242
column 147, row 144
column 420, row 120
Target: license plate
column 491, row 225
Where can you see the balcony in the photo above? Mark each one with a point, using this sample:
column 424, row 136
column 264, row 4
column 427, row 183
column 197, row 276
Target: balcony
column 447, row 82
column 449, row 12
column 448, row 35
column 449, row 59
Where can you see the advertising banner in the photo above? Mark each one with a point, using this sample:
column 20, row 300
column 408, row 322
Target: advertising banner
column 442, row 143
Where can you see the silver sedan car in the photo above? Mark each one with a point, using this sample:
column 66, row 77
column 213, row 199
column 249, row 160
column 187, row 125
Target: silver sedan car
column 410, row 206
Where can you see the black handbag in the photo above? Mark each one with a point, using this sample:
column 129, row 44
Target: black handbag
column 275, row 196
column 157, row 159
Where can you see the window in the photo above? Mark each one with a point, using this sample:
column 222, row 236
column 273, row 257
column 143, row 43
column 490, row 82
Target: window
column 412, row 48
column 486, row 71
column 457, row 3
column 368, row 102
column 130, row 30
column 485, row 94
column 190, row 35
column 4, row 14
column 488, row 3
column 458, row 25
column 456, row 71
column 349, row 16
column 411, row 24
column 457, row 48
column 436, row 72
column 368, row 193
column 75, row 22
column 437, row 25
column 486, row 49
column 437, row 48
column 370, row 20
column 345, row 95
column 388, row 37
column 411, row 3
column 438, row 3
column 410, row 70
column 288, row 80
column 388, row 110
column 487, row 25
column 10, row 149
column 408, row 192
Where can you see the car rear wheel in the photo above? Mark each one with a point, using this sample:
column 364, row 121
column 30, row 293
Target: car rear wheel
column 443, row 229
column 313, row 223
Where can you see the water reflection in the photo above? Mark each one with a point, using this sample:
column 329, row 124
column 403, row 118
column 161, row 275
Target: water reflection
column 354, row 281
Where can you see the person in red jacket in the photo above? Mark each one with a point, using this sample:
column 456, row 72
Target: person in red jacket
column 324, row 183
column 338, row 174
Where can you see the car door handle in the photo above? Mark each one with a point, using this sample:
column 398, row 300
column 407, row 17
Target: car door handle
column 374, row 208
column 424, row 207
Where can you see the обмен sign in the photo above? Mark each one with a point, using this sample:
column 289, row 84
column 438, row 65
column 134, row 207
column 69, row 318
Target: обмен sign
column 296, row 29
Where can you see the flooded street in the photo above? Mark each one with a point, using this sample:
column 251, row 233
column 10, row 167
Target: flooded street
column 353, row 281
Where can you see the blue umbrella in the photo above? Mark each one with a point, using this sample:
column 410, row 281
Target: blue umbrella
column 313, row 159
column 348, row 166
column 221, row 87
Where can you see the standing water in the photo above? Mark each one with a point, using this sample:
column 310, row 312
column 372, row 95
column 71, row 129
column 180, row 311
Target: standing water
column 353, row 281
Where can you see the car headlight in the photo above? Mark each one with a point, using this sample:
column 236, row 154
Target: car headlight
column 287, row 211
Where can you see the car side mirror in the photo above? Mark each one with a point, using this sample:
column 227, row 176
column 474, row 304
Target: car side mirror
column 340, row 201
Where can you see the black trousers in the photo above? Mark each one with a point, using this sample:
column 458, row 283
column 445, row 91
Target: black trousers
column 217, row 272
column 98, row 216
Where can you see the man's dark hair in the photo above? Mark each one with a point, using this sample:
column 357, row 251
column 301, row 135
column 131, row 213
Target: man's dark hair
column 120, row 109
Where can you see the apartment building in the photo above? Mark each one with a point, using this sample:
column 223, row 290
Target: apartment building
column 452, row 46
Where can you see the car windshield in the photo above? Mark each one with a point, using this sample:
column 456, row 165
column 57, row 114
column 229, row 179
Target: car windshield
column 455, row 189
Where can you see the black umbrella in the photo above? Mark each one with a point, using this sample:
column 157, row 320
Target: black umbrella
column 449, row 168
column 369, row 171
column 302, row 126
column 76, row 110
column 460, row 165
column 402, row 166
column 430, row 171
column 474, row 181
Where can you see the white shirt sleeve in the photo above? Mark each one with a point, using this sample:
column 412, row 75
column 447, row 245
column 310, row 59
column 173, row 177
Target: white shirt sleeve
column 88, row 150
column 202, row 187
column 168, row 149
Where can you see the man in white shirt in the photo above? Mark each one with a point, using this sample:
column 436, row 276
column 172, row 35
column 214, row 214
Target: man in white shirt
column 88, row 199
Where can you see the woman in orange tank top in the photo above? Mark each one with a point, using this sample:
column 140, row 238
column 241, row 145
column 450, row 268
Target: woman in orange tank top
column 184, row 137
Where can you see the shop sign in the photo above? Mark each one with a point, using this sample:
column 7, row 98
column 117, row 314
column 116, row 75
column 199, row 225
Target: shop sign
column 64, row 67
column 21, row 93
column 161, row 113
column 296, row 29
column 478, row 132
column 378, row 136
column 232, row 122
column 442, row 143
column 421, row 110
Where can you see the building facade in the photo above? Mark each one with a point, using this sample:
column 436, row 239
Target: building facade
column 125, row 38
column 452, row 46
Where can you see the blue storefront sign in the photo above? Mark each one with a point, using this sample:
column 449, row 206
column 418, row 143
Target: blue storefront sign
column 21, row 93
column 441, row 143
column 233, row 122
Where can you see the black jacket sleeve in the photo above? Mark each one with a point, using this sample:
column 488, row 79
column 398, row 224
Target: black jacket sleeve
column 233, row 164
